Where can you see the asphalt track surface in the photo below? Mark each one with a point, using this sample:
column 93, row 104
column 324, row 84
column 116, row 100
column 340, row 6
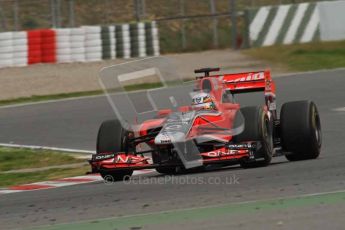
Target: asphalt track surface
column 74, row 124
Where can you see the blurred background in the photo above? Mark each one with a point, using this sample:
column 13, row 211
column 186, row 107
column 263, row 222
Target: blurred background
column 185, row 25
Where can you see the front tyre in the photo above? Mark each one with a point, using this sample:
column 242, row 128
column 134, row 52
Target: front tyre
column 257, row 127
column 300, row 130
column 120, row 175
column 111, row 138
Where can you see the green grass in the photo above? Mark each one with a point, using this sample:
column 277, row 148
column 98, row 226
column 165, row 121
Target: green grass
column 143, row 86
column 195, row 216
column 38, row 98
column 10, row 179
column 303, row 57
column 17, row 158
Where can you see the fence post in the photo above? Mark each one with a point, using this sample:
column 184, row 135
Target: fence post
column 233, row 12
column 139, row 8
column 71, row 13
column 3, row 19
column 183, row 28
column 143, row 9
column 246, row 40
column 107, row 12
column 215, row 24
column 53, row 13
column 136, row 10
column 58, row 13
column 15, row 15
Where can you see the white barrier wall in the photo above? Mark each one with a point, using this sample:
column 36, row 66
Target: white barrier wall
column 332, row 23
column 141, row 39
column 296, row 23
column 93, row 43
column 63, row 45
column 112, row 41
column 155, row 39
column 126, row 41
column 20, row 52
column 283, row 24
column 78, row 44
column 6, row 49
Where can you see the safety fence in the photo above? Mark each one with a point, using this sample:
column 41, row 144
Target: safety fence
column 83, row 44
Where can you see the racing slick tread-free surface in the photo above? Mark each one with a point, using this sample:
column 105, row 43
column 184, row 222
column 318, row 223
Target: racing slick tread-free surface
column 110, row 139
column 300, row 130
column 257, row 127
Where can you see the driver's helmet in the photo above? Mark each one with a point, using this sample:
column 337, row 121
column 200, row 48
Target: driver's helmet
column 203, row 101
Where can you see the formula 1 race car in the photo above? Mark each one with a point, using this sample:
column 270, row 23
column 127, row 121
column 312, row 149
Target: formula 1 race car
column 213, row 130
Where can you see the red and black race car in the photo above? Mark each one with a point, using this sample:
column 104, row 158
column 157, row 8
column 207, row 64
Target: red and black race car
column 224, row 135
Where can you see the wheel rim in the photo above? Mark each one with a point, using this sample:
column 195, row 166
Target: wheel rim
column 267, row 134
column 267, row 140
column 317, row 127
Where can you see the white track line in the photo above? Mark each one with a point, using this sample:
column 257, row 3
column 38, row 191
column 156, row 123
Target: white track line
column 310, row 72
column 46, row 148
column 64, row 182
column 49, row 101
column 341, row 109
column 8, row 191
column 57, row 184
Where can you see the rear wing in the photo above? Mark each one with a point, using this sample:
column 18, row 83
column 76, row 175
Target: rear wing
column 249, row 82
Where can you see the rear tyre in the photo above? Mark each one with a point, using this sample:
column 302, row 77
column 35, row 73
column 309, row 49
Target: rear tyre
column 300, row 130
column 257, row 127
column 111, row 138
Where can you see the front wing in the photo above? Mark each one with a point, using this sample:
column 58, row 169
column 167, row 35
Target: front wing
column 132, row 161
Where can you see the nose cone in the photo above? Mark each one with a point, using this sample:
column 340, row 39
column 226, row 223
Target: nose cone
column 164, row 138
